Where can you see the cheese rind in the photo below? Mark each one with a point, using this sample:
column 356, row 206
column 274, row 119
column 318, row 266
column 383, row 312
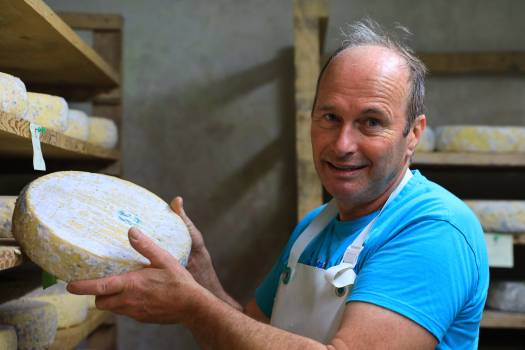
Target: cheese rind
column 35, row 322
column 103, row 132
column 47, row 111
column 8, row 337
column 75, row 225
column 506, row 296
column 71, row 309
column 7, row 206
column 77, row 125
column 505, row 216
column 490, row 139
column 13, row 96
column 427, row 142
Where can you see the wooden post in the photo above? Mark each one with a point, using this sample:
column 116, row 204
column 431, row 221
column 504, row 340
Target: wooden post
column 309, row 16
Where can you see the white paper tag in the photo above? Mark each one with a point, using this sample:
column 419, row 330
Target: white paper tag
column 500, row 248
column 38, row 158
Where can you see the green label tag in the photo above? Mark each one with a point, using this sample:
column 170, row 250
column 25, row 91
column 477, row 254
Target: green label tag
column 48, row 280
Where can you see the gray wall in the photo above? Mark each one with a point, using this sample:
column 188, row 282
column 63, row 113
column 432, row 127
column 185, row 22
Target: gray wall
column 209, row 111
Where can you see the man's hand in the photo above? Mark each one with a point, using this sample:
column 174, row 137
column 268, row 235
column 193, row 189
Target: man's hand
column 163, row 292
column 199, row 264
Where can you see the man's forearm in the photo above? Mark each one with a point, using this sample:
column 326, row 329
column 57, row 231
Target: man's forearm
column 216, row 325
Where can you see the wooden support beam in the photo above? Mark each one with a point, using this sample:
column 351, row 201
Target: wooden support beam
column 307, row 30
column 92, row 21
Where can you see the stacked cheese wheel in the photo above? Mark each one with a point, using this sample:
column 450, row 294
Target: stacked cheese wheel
column 7, row 206
column 490, row 139
column 499, row 216
column 75, row 225
column 53, row 112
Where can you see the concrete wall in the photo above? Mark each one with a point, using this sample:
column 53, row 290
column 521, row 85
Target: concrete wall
column 209, row 112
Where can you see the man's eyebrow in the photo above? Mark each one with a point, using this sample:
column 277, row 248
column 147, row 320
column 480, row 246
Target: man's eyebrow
column 325, row 108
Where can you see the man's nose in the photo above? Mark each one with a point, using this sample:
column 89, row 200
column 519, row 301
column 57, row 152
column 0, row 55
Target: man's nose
column 346, row 141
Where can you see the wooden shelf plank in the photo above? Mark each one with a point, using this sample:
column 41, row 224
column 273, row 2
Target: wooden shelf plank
column 469, row 159
column 15, row 140
column 69, row 338
column 500, row 319
column 42, row 50
column 474, row 62
column 10, row 256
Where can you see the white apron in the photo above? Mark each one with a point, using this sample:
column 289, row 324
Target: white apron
column 310, row 301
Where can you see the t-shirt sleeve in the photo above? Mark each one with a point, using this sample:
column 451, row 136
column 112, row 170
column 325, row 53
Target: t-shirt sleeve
column 426, row 273
column 265, row 293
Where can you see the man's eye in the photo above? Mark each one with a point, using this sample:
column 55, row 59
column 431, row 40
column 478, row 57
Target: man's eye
column 329, row 117
column 373, row 122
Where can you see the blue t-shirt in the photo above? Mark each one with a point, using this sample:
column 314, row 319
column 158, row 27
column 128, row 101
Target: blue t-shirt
column 425, row 258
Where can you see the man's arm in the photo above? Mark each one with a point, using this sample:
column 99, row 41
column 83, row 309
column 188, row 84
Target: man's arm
column 165, row 292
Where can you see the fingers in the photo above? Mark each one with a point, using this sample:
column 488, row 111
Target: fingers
column 177, row 206
column 157, row 256
column 102, row 286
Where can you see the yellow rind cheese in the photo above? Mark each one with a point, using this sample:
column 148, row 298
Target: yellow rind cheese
column 71, row 309
column 103, row 132
column 75, row 225
column 490, row 139
column 427, row 142
column 35, row 322
column 8, row 337
column 47, row 111
column 77, row 125
column 505, row 216
column 7, row 206
column 13, row 96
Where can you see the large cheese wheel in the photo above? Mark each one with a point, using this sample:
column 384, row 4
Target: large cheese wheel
column 7, row 206
column 507, row 296
column 103, row 132
column 47, row 111
column 35, row 322
column 77, row 125
column 75, row 225
column 71, row 309
column 13, row 96
column 499, row 215
column 8, row 337
column 461, row 138
column 427, row 142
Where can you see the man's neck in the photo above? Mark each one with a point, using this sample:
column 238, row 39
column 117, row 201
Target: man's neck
column 350, row 211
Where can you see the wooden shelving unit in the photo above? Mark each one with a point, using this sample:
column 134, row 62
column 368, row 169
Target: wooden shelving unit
column 447, row 159
column 41, row 48
column 498, row 319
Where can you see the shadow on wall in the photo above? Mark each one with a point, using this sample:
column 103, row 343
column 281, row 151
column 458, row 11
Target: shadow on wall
column 199, row 105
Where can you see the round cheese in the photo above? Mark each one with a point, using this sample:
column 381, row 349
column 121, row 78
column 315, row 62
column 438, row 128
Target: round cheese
column 499, row 215
column 35, row 322
column 427, row 142
column 71, row 309
column 13, row 96
column 503, row 139
column 77, row 125
column 47, row 111
column 8, row 338
column 7, row 206
column 103, row 132
column 506, row 296
column 75, row 225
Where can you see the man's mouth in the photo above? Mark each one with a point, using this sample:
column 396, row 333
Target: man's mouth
column 345, row 167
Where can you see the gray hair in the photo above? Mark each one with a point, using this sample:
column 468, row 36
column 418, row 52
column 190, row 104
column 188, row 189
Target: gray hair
column 367, row 32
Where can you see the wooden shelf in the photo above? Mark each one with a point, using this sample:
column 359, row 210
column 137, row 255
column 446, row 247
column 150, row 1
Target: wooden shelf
column 69, row 338
column 10, row 256
column 469, row 159
column 15, row 141
column 500, row 319
column 41, row 49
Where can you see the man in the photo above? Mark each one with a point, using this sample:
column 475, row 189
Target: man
column 393, row 261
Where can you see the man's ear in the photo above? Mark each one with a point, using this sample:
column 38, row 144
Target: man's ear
column 415, row 134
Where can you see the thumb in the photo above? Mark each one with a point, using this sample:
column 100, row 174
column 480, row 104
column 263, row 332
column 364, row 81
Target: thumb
column 177, row 206
column 157, row 256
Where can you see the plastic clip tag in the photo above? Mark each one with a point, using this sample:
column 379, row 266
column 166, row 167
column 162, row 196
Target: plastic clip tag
column 351, row 255
column 38, row 158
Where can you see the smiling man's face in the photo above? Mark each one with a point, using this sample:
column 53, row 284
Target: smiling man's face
column 357, row 126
